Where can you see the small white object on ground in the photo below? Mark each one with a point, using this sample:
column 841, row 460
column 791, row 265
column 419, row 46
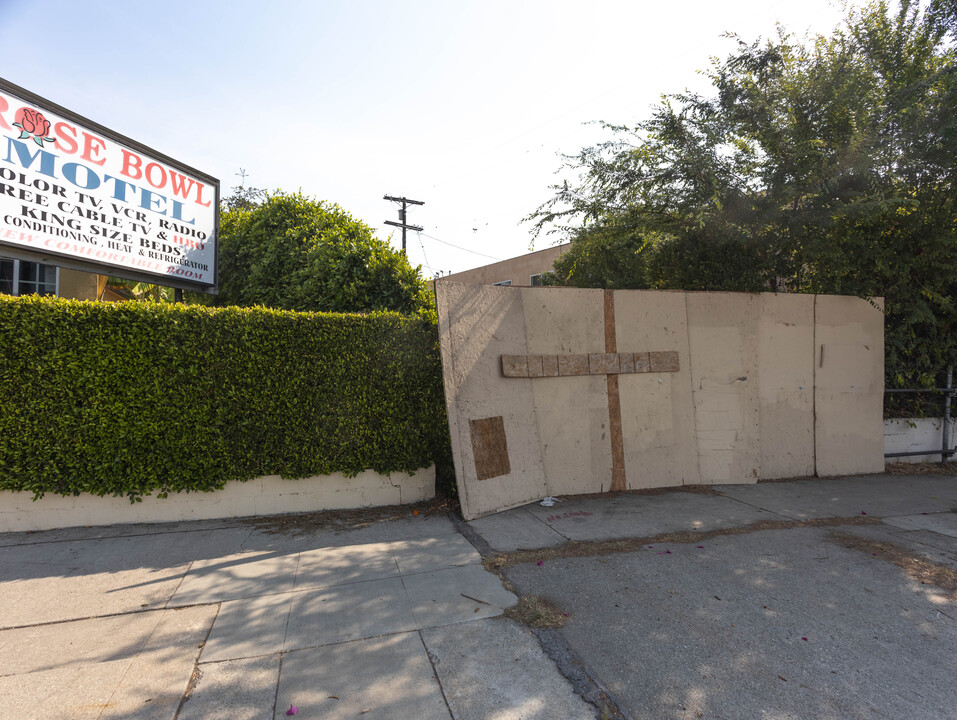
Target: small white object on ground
column 549, row 501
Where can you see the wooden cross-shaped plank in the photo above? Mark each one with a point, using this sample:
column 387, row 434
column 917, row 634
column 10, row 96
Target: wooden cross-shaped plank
column 536, row 366
column 611, row 364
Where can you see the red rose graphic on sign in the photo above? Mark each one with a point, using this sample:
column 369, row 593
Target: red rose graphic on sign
column 33, row 124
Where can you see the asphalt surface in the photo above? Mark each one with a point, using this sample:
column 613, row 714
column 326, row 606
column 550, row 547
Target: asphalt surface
column 775, row 624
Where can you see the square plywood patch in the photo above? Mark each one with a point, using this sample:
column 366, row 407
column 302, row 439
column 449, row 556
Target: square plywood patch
column 489, row 447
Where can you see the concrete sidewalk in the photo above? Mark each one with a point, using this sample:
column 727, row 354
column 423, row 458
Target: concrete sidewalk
column 224, row 620
column 911, row 501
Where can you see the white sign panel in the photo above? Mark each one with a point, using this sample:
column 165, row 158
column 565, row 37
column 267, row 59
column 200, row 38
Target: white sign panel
column 71, row 189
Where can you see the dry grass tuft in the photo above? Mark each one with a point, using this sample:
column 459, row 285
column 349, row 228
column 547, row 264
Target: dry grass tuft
column 921, row 570
column 690, row 489
column 924, row 468
column 312, row 522
column 501, row 561
column 535, row 612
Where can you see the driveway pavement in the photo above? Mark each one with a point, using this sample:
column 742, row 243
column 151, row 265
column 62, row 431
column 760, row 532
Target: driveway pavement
column 769, row 608
column 748, row 602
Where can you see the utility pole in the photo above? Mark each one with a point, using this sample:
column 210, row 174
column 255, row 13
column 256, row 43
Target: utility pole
column 402, row 224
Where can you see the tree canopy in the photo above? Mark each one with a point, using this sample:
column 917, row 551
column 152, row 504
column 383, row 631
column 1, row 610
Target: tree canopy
column 291, row 252
column 826, row 165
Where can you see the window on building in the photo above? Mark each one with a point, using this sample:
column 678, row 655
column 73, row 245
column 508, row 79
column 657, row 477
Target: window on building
column 504, row 282
column 6, row 276
column 535, row 280
column 21, row 277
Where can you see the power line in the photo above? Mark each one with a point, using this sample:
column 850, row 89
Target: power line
column 459, row 247
column 424, row 256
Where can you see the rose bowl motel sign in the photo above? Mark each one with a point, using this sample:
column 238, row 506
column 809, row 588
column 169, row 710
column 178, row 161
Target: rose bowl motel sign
column 78, row 195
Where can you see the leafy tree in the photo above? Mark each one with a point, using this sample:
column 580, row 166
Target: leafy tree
column 602, row 255
column 821, row 167
column 291, row 252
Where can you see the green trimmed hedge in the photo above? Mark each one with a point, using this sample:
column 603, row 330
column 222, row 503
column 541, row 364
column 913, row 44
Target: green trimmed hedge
column 139, row 398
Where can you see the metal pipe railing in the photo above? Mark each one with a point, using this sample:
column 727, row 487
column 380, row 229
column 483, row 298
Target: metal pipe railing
column 945, row 449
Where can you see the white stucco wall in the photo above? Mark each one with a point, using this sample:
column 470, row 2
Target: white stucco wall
column 766, row 386
column 572, row 412
column 724, row 379
column 482, row 322
column 786, row 385
column 270, row 495
column 848, row 385
column 657, row 409
column 916, row 434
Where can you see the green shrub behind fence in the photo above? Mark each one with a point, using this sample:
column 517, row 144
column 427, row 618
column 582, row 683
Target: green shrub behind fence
column 134, row 398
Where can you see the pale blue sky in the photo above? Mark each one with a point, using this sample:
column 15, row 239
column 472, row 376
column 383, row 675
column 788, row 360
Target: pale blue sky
column 465, row 105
